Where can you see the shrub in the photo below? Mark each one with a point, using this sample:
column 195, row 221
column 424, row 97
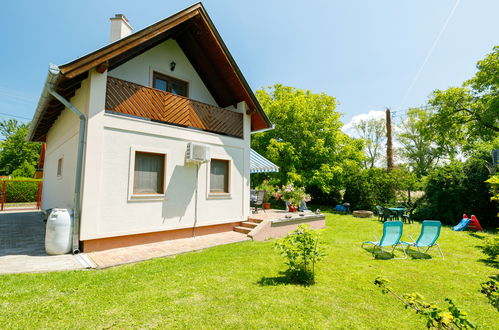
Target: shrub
column 455, row 189
column 375, row 186
column 491, row 290
column 494, row 188
column 302, row 249
column 26, row 170
column 21, row 191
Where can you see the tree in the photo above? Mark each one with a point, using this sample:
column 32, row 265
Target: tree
column 15, row 152
column 307, row 143
column 418, row 140
column 375, row 186
column 473, row 109
column 373, row 132
column 26, row 170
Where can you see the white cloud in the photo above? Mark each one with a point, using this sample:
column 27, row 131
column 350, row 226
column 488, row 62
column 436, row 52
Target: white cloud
column 373, row 114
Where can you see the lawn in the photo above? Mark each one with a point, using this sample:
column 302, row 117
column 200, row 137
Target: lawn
column 239, row 286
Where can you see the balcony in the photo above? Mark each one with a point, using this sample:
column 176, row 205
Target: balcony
column 130, row 99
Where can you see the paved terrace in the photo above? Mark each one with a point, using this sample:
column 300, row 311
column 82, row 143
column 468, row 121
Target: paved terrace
column 22, row 247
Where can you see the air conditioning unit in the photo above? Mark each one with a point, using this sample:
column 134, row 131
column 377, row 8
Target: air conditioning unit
column 197, row 153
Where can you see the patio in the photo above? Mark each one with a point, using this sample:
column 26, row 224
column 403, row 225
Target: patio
column 277, row 223
column 22, row 246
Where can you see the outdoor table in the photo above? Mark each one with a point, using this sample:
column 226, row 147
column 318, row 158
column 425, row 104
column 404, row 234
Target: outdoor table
column 398, row 210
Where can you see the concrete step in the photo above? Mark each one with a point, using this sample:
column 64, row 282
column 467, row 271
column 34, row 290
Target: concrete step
column 244, row 230
column 249, row 224
column 255, row 220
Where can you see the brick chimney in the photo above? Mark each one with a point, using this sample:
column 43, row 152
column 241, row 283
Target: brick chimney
column 120, row 27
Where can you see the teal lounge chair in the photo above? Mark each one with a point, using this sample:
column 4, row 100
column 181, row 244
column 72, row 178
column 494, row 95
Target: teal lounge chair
column 392, row 232
column 428, row 237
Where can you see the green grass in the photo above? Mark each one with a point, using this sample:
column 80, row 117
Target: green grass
column 238, row 286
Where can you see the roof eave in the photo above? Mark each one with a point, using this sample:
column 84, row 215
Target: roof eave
column 53, row 76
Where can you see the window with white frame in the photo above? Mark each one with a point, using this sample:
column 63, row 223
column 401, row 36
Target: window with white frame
column 219, row 176
column 149, row 173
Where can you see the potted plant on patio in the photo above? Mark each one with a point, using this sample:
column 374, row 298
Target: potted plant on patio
column 294, row 196
column 269, row 191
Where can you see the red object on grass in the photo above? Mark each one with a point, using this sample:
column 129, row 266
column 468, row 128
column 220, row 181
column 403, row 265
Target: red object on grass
column 474, row 224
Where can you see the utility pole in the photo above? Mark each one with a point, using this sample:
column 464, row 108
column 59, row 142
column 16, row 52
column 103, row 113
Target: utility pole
column 389, row 146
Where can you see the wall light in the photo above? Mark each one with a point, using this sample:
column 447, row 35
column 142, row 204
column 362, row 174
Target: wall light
column 172, row 65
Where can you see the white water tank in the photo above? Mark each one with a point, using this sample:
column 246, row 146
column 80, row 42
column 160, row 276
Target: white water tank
column 58, row 231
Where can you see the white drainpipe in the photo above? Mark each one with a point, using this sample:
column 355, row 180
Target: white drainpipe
column 264, row 130
column 50, row 88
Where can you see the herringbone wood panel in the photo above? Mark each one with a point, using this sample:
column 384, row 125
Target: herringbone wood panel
column 141, row 101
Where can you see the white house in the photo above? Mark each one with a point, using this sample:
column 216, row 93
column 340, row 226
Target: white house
column 121, row 119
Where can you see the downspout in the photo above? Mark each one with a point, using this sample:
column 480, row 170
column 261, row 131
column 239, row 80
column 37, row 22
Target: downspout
column 263, row 130
column 54, row 71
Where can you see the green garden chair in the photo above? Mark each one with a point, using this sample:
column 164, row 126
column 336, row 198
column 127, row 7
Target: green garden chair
column 388, row 215
column 408, row 216
column 379, row 212
column 430, row 231
column 392, row 232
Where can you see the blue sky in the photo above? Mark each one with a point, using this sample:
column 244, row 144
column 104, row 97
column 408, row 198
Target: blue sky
column 366, row 53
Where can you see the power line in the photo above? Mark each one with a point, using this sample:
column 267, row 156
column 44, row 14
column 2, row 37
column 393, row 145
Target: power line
column 13, row 116
column 430, row 52
column 16, row 95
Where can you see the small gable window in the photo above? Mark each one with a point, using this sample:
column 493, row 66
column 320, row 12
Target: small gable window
column 59, row 168
column 169, row 84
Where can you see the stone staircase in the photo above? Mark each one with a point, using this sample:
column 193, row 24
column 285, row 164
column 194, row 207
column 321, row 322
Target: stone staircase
column 248, row 226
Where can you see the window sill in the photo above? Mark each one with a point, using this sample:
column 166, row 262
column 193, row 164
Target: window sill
column 146, row 197
column 219, row 196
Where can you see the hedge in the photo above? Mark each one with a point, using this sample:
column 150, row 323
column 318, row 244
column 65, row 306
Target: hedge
column 20, row 191
column 458, row 188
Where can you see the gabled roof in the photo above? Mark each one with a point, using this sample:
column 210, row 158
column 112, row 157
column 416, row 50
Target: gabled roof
column 198, row 38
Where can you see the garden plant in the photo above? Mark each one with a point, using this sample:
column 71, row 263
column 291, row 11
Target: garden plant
column 302, row 249
column 435, row 316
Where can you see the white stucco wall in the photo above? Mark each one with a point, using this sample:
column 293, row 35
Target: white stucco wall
column 140, row 69
column 62, row 142
column 117, row 214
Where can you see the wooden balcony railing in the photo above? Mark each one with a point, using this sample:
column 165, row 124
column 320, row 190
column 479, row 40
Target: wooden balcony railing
column 152, row 104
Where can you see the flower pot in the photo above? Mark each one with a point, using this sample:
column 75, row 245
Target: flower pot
column 266, row 206
column 292, row 208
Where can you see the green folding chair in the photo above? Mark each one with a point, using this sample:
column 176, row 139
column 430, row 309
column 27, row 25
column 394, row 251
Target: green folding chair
column 392, row 232
column 430, row 231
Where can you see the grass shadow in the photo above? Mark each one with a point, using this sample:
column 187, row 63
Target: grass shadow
column 494, row 277
column 414, row 254
column 475, row 235
column 378, row 255
column 490, row 263
column 282, row 279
